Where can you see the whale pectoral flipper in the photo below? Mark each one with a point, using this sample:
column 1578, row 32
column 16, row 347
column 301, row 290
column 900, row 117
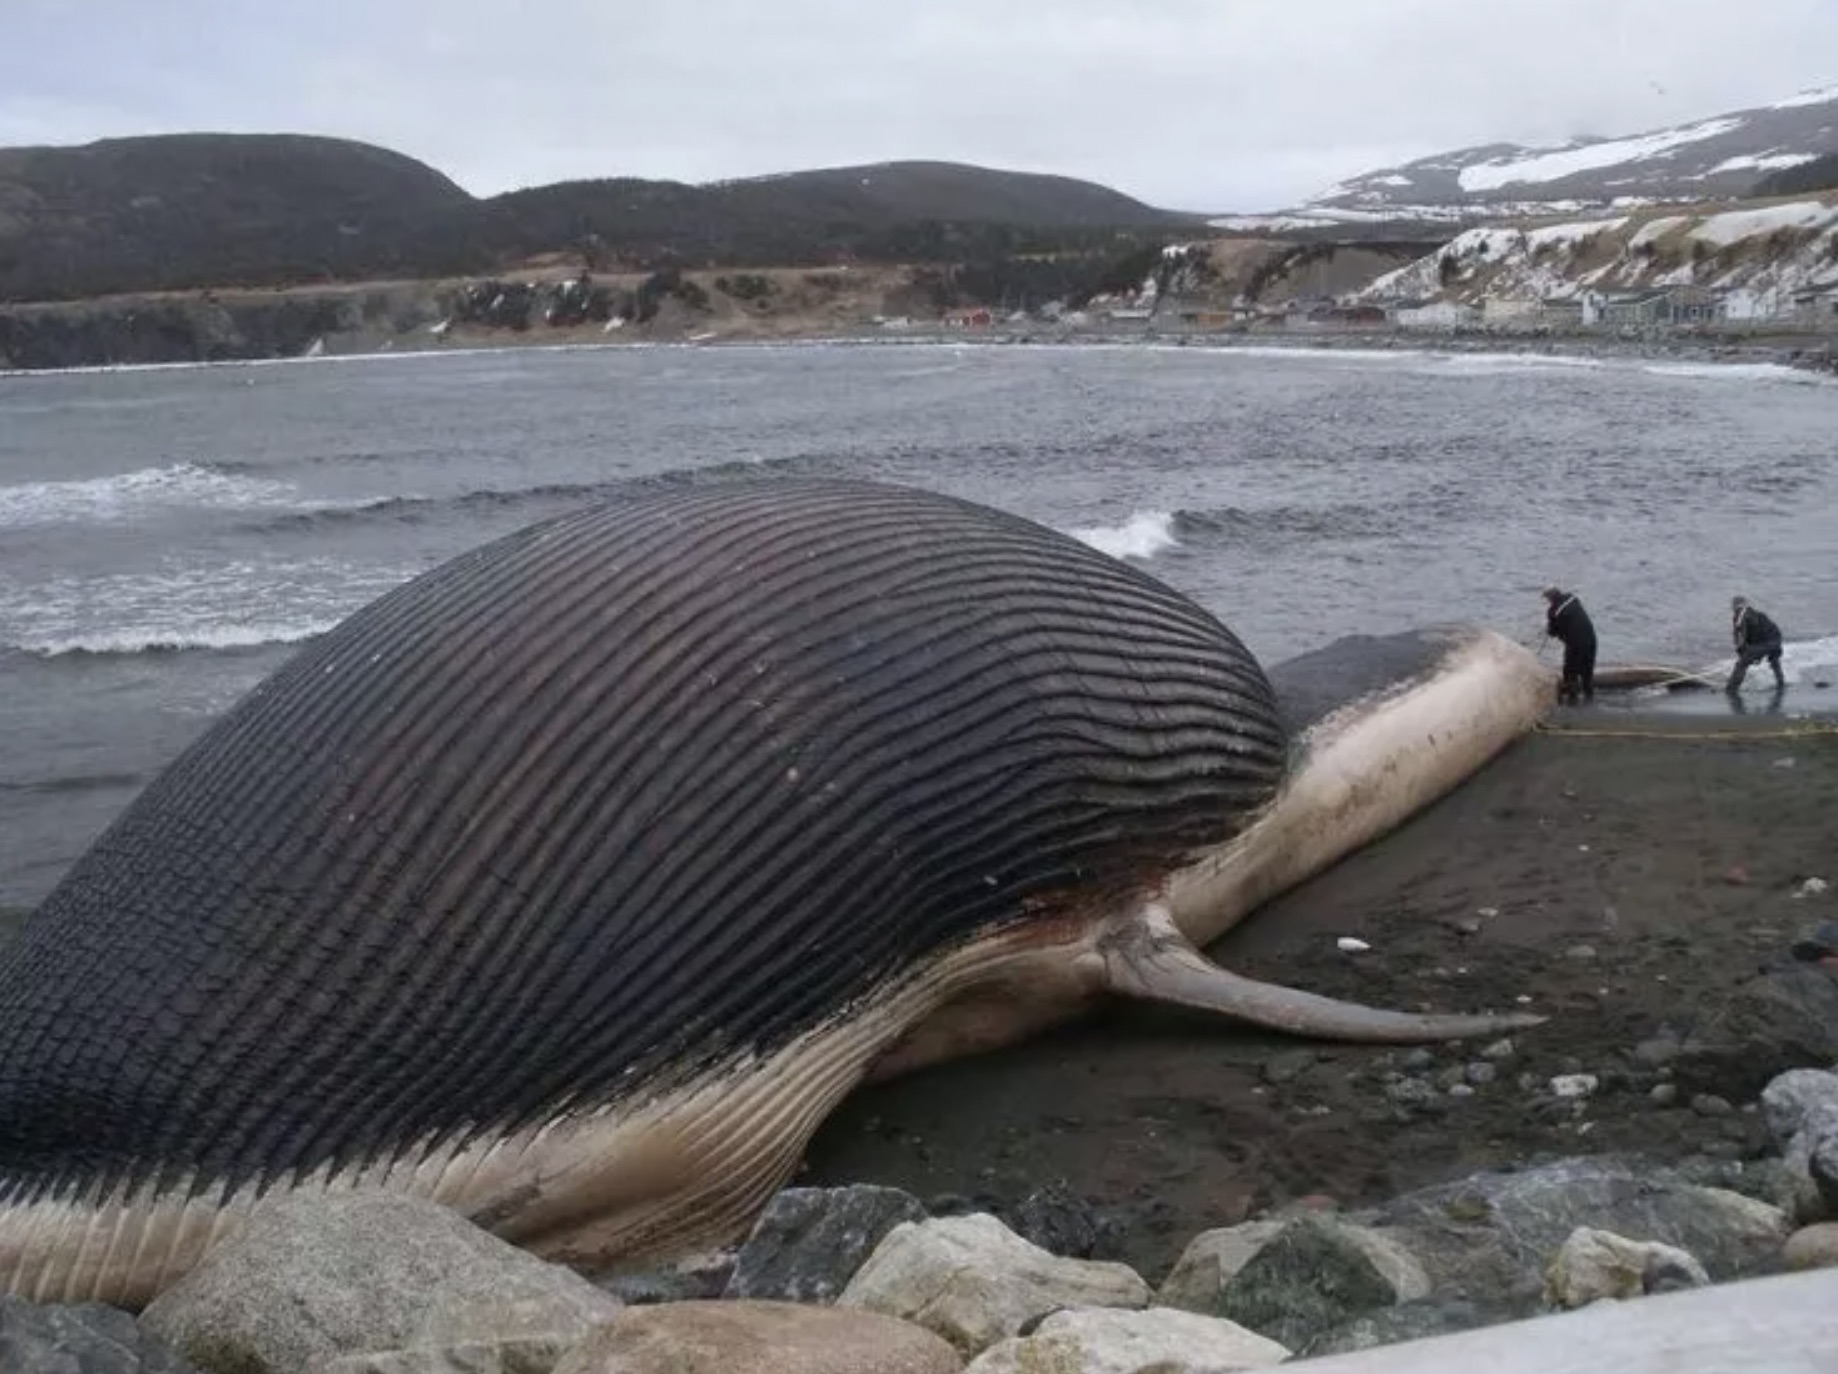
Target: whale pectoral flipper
column 1147, row 957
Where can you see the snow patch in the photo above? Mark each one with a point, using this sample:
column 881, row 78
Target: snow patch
column 1656, row 229
column 1816, row 96
column 1766, row 162
column 1734, row 225
column 1555, row 163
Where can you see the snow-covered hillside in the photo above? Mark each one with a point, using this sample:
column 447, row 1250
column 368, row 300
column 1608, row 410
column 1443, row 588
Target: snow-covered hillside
column 1759, row 256
column 1708, row 159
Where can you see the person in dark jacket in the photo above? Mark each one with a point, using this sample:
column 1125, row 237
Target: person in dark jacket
column 1755, row 637
column 1566, row 620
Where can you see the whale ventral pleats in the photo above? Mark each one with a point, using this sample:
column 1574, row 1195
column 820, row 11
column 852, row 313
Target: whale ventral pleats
column 596, row 806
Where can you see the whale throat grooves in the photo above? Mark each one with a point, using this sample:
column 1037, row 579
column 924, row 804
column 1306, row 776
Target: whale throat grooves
column 600, row 806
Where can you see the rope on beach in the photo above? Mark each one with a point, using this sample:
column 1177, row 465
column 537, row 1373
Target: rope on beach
column 1810, row 729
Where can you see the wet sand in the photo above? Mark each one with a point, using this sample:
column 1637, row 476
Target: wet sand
column 1626, row 869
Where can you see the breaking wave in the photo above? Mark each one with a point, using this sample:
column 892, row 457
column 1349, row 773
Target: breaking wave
column 129, row 495
column 1143, row 535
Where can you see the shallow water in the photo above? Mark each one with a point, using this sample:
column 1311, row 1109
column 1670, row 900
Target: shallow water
column 167, row 535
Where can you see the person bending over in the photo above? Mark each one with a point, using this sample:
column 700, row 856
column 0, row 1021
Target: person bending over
column 1566, row 620
column 1756, row 637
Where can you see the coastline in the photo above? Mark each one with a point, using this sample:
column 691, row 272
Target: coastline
column 1813, row 354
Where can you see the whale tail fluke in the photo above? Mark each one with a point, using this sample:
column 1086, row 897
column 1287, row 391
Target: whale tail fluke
column 1145, row 956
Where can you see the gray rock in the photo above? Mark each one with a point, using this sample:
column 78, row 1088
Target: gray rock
column 1487, row 1238
column 1416, row 1060
column 1057, row 1220
column 1822, row 1167
column 1781, row 1020
column 809, row 1242
column 306, row 1280
column 741, row 1337
column 1211, row 1260
column 1657, row 1052
column 1288, row 1066
column 1414, row 1095
column 1407, row 1321
column 1499, row 1050
column 1318, row 1273
column 1709, row 1104
column 704, row 1277
column 1482, row 1072
column 79, row 1338
column 1664, row 1094
column 1791, row 1101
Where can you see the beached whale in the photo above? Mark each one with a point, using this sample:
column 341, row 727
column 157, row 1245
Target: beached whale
column 574, row 882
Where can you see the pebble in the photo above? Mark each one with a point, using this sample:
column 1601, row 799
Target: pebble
column 1347, row 944
column 1418, row 1058
column 1709, row 1104
column 1487, row 913
column 1574, row 1084
column 1498, row 1050
column 1480, row 1072
column 1456, row 1075
column 1664, row 1094
column 1657, row 1051
column 1286, row 1068
column 1468, row 927
column 1812, row 887
column 1412, row 1092
column 1460, row 1090
column 1580, row 952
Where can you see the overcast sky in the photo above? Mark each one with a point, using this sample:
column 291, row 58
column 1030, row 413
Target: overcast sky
column 1190, row 104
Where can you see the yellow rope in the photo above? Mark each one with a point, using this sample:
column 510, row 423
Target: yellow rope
column 1808, row 730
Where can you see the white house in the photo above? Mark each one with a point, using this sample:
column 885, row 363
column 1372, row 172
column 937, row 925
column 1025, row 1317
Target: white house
column 1508, row 312
column 1434, row 315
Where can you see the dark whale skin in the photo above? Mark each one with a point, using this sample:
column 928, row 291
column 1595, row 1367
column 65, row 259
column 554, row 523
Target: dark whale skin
column 589, row 810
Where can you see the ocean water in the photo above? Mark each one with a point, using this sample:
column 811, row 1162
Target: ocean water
column 169, row 535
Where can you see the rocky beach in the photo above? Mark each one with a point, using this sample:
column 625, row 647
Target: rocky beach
column 1155, row 1186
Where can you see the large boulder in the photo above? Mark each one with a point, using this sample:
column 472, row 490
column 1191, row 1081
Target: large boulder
column 1315, row 1274
column 1801, row 1110
column 973, row 1281
column 79, row 1338
column 809, row 1242
column 1783, row 1019
column 1487, row 1239
column 306, row 1280
column 1794, row 1099
column 1160, row 1340
column 741, row 1337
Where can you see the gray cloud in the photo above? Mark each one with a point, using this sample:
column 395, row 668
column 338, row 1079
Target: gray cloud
column 1204, row 104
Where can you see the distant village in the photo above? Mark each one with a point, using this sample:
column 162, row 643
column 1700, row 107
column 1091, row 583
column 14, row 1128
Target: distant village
column 1626, row 314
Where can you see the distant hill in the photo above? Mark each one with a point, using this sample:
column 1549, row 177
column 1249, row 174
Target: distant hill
column 1727, row 156
column 196, row 210
column 186, row 210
